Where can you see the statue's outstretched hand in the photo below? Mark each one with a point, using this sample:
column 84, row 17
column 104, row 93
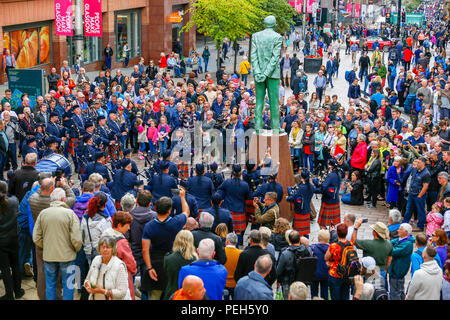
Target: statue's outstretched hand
column 260, row 78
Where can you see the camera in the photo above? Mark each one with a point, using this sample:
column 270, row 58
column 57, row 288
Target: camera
column 58, row 174
column 292, row 190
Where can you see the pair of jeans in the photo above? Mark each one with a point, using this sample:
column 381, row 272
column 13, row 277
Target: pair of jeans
column 11, row 156
column 319, row 92
column 414, row 202
column 25, row 245
column 296, row 154
column 177, row 72
column 206, row 64
column 339, row 288
column 108, row 61
column 308, row 159
column 391, row 82
column 244, row 78
column 51, row 275
column 162, row 145
column 396, row 288
column 323, row 289
column 142, row 148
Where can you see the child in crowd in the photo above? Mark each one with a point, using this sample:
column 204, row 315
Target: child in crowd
column 152, row 136
column 446, row 225
column 142, row 137
column 435, row 219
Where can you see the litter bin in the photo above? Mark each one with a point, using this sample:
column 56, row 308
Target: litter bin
column 312, row 65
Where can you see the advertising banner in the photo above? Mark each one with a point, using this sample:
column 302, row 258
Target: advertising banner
column 357, row 10
column 349, row 7
column 92, row 18
column 298, row 6
column 309, row 6
column 63, row 18
column 363, row 11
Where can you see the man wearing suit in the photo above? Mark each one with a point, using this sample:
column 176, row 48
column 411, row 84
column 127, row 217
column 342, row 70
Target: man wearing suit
column 331, row 67
column 265, row 54
column 396, row 123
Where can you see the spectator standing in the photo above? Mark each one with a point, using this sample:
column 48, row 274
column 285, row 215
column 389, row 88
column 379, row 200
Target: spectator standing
column 212, row 273
column 57, row 232
column 253, row 286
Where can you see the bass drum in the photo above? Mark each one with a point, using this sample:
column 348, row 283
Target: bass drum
column 53, row 163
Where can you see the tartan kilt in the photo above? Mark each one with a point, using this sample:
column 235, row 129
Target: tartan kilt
column 249, row 209
column 301, row 223
column 329, row 213
column 183, row 170
column 117, row 205
column 239, row 221
column 73, row 142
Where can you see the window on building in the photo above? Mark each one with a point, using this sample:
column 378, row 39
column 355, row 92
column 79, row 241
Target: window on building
column 30, row 46
column 128, row 29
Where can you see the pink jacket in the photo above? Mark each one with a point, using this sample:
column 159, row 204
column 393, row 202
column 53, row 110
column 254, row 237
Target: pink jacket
column 152, row 134
column 434, row 221
column 126, row 255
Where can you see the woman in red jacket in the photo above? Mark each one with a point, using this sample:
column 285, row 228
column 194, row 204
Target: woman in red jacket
column 66, row 81
column 121, row 224
column 407, row 56
column 359, row 156
column 163, row 62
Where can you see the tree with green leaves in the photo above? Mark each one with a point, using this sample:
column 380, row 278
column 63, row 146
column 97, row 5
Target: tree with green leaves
column 220, row 19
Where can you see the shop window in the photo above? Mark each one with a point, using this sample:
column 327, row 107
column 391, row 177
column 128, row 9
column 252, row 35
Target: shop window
column 128, row 29
column 30, row 46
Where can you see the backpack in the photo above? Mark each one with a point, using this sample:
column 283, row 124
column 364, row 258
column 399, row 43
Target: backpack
column 380, row 294
column 393, row 55
column 304, row 265
column 347, row 75
column 349, row 265
column 418, row 105
column 302, row 85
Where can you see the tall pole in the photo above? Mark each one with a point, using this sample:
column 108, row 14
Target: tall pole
column 304, row 19
column 399, row 10
column 78, row 29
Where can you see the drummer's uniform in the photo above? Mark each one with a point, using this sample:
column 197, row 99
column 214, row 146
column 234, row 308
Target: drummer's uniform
column 301, row 199
column 27, row 149
column 76, row 132
column 103, row 136
column 173, row 168
column 160, row 186
column 216, row 178
column 234, row 193
column 95, row 167
column 54, row 129
column 253, row 179
column 114, row 127
column 202, row 189
column 330, row 210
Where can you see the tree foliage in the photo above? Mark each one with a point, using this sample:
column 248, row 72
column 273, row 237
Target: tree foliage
column 283, row 12
column 220, row 19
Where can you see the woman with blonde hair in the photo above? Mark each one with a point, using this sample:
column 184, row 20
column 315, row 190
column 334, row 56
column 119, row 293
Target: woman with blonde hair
column 183, row 253
column 222, row 231
column 339, row 143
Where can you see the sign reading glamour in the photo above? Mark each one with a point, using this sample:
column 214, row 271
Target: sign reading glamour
column 63, row 18
column 92, row 18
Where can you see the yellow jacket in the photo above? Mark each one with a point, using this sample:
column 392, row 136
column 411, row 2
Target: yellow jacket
column 244, row 67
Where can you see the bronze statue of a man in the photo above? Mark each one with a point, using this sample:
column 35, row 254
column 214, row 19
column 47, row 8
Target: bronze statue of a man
column 266, row 54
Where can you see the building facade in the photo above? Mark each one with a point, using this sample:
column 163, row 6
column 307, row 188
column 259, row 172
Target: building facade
column 27, row 29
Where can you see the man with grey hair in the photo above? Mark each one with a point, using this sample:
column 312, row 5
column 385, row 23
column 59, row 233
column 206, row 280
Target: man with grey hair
column 403, row 247
column 204, row 232
column 232, row 253
column 128, row 202
column 99, row 185
column 444, row 191
column 39, row 201
column 253, row 286
column 57, row 233
column 22, row 179
column 213, row 274
column 249, row 256
column 395, row 219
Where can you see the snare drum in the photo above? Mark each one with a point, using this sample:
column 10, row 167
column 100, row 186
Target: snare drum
column 53, row 163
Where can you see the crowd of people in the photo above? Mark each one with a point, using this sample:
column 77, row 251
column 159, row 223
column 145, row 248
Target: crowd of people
column 175, row 229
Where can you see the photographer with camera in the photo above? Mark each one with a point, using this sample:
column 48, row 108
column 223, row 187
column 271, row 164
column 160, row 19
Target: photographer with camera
column 300, row 195
column 380, row 248
column 267, row 213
